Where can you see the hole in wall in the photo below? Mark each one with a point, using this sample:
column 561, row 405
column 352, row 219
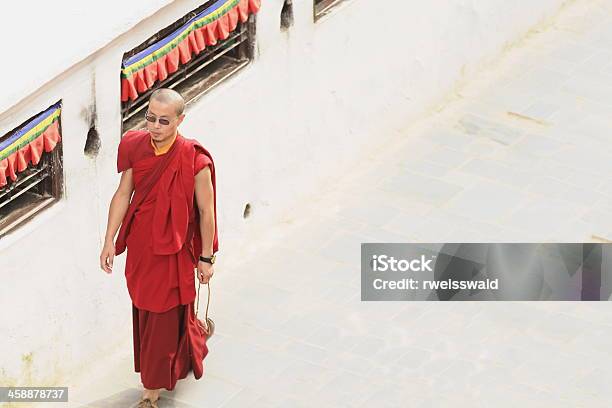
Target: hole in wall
column 92, row 144
column 247, row 210
column 287, row 15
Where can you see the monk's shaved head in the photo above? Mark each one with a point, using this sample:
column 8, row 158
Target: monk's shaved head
column 169, row 97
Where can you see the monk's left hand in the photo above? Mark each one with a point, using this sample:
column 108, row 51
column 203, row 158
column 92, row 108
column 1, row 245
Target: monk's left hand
column 205, row 271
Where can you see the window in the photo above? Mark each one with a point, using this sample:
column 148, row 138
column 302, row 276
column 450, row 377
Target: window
column 192, row 55
column 31, row 173
column 322, row 7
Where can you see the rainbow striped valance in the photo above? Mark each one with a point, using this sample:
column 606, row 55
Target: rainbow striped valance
column 155, row 63
column 26, row 144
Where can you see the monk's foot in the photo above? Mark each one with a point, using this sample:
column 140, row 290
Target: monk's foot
column 151, row 395
column 147, row 402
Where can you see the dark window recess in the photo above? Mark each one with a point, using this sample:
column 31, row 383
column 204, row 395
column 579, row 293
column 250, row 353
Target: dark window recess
column 35, row 189
column 206, row 70
column 322, row 7
column 287, row 15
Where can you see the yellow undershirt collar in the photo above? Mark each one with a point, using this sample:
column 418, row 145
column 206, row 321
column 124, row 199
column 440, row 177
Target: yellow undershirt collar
column 165, row 149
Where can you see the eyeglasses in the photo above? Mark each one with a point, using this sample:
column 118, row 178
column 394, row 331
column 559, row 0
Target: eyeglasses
column 153, row 119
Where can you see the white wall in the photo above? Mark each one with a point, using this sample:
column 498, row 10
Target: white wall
column 312, row 100
column 50, row 36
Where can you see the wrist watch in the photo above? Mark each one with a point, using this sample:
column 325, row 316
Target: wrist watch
column 210, row 260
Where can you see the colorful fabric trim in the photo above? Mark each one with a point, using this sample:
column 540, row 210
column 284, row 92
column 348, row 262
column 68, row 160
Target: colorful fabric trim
column 155, row 63
column 26, row 145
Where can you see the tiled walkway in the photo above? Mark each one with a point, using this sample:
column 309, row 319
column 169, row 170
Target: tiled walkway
column 524, row 153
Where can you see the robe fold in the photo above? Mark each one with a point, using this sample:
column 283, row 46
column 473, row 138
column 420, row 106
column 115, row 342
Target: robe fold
column 161, row 233
column 164, row 351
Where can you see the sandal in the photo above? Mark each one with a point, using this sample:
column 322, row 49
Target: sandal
column 147, row 403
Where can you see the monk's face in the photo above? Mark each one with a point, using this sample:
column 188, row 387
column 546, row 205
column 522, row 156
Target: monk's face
column 161, row 133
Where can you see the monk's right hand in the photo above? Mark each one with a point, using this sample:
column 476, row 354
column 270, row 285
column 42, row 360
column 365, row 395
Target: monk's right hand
column 107, row 256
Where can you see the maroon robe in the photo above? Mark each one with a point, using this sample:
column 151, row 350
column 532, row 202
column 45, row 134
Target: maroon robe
column 162, row 235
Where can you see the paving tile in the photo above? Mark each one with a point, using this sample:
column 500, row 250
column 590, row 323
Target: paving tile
column 420, row 188
column 493, row 170
column 487, row 202
column 212, row 391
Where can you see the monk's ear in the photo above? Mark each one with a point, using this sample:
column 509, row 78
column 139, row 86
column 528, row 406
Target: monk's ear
column 180, row 119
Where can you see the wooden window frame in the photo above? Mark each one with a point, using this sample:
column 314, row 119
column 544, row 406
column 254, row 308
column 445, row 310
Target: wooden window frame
column 34, row 190
column 204, row 72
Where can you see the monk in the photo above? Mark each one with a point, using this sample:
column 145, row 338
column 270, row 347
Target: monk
column 169, row 227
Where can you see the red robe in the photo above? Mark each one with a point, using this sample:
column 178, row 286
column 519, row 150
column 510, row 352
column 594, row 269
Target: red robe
column 163, row 235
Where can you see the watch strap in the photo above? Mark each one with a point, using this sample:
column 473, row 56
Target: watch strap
column 207, row 260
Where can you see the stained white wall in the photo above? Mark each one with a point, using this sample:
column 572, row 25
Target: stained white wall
column 313, row 98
